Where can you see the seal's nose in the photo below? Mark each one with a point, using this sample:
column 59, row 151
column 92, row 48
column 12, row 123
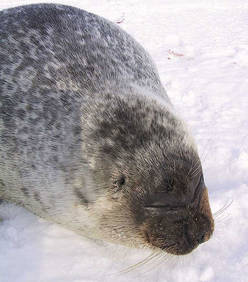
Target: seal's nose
column 196, row 230
column 201, row 237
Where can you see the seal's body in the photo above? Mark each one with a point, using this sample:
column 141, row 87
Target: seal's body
column 88, row 137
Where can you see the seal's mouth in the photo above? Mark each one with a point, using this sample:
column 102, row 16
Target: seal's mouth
column 179, row 230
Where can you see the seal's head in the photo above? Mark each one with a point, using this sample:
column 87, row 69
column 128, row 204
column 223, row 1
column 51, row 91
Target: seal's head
column 147, row 176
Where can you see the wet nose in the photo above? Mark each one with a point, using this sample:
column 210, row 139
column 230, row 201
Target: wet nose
column 195, row 233
column 200, row 238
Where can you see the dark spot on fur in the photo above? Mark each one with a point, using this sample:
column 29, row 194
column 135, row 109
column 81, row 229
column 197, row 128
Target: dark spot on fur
column 25, row 191
column 2, row 184
column 55, row 159
column 37, row 197
column 135, row 122
column 55, row 148
column 24, row 48
column 24, row 130
column 29, row 108
column 10, row 86
column 110, row 151
column 80, row 196
column 58, row 125
column 21, row 114
column 77, row 130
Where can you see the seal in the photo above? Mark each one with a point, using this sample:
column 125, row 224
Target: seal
column 88, row 136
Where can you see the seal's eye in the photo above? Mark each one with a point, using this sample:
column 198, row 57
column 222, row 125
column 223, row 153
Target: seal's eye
column 121, row 181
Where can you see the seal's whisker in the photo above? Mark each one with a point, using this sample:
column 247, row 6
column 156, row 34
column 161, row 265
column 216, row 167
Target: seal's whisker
column 223, row 209
column 132, row 267
column 140, row 263
column 158, row 260
column 196, row 172
column 222, row 218
column 191, row 168
column 207, row 148
column 164, row 257
column 196, row 165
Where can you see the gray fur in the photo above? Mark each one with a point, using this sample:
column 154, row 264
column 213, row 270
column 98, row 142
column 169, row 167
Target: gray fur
column 82, row 106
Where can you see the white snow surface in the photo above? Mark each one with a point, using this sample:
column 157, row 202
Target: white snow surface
column 201, row 50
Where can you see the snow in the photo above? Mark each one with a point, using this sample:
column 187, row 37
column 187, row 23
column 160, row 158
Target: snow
column 201, row 51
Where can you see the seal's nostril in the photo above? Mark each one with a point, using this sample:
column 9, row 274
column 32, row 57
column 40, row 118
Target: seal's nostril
column 201, row 237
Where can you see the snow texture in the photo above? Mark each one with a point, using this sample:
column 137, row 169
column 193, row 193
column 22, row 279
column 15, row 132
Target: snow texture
column 201, row 51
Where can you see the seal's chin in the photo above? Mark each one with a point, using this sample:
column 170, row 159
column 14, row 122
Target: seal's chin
column 181, row 235
column 179, row 245
column 181, row 250
column 183, row 247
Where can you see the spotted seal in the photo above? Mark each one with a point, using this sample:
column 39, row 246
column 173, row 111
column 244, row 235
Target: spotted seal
column 88, row 136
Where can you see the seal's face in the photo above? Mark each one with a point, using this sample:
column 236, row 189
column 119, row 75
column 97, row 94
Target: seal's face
column 153, row 192
column 169, row 205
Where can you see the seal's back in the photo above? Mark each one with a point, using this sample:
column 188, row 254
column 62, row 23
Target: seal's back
column 53, row 59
